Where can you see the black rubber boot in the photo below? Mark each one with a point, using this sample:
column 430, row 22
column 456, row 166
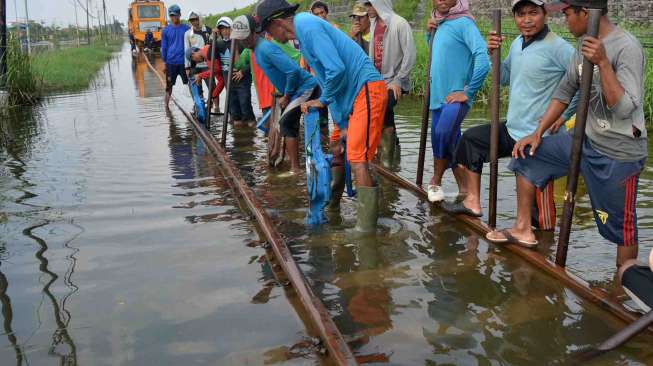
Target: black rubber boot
column 388, row 147
column 368, row 209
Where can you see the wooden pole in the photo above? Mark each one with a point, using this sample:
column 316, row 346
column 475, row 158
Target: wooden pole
column 577, row 147
column 104, row 10
column 225, row 122
column 3, row 42
column 495, row 105
column 29, row 43
column 209, row 103
column 88, row 25
column 425, row 115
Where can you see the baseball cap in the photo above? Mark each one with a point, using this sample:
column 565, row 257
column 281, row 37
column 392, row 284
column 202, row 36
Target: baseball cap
column 268, row 10
column 224, row 22
column 242, row 27
column 193, row 15
column 535, row 2
column 174, row 10
column 359, row 10
column 564, row 4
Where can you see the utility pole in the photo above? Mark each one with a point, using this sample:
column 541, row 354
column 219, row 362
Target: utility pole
column 99, row 23
column 29, row 45
column 3, row 42
column 76, row 22
column 88, row 26
column 104, row 9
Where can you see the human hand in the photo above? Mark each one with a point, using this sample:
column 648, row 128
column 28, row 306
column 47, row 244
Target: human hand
column 283, row 102
column 315, row 103
column 532, row 140
column 494, row 41
column 355, row 29
column 198, row 81
column 431, row 25
column 456, row 97
column 238, row 75
column 594, row 51
column 396, row 90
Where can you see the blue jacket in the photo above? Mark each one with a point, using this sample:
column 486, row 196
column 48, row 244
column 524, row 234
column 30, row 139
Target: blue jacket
column 286, row 76
column 459, row 61
column 341, row 66
column 172, row 44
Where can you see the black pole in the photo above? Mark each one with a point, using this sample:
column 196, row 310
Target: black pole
column 577, row 147
column 209, row 103
column 425, row 116
column 495, row 105
column 225, row 122
column 88, row 25
column 104, row 9
column 3, row 42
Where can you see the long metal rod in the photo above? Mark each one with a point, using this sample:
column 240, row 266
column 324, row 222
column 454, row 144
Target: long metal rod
column 577, row 146
column 227, row 99
column 209, row 103
column 594, row 295
column 88, row 25
column 333, row 340
column 495, row 105
column 425, row 115
column 3, row 42
column 29, row 42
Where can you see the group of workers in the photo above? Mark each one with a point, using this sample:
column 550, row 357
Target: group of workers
column 360, row 76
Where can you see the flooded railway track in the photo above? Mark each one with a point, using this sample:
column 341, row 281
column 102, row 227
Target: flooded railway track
column 317, row 314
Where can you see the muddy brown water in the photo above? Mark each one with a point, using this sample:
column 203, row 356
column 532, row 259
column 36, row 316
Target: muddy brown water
column 121, row 244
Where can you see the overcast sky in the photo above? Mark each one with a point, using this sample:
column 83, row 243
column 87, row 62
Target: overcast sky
column 62, row 12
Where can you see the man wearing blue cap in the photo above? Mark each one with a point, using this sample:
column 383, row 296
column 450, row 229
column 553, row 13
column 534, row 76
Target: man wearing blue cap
column 172, row 51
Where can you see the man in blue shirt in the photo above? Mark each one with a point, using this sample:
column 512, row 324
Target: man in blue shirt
column 172, row 51
column 536, row 63
column 351, row 87
column 295, row 83
column 459, row 65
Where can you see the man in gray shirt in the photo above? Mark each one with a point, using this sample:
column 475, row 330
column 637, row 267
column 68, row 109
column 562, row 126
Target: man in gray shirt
column 615, row 150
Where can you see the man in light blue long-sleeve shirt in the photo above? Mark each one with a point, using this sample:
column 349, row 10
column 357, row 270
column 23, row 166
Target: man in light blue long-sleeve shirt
column 352, row 88
column 537, row 61
column 459, row 65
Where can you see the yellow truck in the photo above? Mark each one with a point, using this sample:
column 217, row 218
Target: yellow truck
column 144, row 16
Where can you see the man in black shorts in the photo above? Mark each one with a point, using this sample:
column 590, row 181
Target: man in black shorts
column 172, row 50
column 637, row 281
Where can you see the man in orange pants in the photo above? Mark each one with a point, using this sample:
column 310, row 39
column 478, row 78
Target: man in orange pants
column 352, row 89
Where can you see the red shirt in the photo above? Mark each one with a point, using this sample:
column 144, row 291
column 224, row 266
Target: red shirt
column 379, row 32
column 204, row 51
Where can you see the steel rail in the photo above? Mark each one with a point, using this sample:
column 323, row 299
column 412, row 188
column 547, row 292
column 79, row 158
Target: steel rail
column 337, row 347
column 580, row 287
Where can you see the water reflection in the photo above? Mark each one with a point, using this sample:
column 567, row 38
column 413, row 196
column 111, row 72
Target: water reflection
column 8, row 317
column 62, row 317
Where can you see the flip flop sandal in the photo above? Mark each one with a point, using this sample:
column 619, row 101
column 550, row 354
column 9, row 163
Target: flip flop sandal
column 459, row 209
column 509, row 238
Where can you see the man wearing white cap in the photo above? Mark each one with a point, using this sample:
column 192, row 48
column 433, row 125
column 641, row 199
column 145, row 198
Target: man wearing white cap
column 197, row 37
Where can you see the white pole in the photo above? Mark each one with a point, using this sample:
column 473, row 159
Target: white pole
column 29, row 45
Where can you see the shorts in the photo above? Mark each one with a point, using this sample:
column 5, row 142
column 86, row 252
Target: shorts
column 611, row 184
column 445, row 129
column 366, row 122
column 473, row 150
column 172, row 71
column 638, row 283
column 289, row 121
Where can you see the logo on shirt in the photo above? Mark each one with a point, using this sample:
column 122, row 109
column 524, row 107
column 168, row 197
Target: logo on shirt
column 603, row 216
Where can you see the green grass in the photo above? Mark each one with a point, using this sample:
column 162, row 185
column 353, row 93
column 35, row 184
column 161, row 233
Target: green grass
column 22, row 83
column 71, row 69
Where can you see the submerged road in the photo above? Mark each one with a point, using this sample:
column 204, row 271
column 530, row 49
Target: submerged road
column 121, row 244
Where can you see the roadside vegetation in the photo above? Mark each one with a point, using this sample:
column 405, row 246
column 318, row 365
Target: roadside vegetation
column 22, row 84
column 74, row 68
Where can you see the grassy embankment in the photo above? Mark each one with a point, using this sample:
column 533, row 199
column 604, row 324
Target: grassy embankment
column 72, row 69
column 30, row 77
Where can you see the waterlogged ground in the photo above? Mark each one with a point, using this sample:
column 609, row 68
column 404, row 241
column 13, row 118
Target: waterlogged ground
column 121, row 244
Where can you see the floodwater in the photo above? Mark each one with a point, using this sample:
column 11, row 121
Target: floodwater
column 121, row 244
